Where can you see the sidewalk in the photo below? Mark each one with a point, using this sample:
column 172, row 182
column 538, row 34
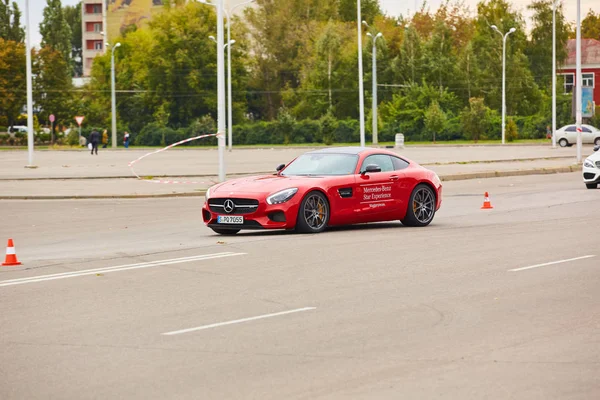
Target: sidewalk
column 77, row 174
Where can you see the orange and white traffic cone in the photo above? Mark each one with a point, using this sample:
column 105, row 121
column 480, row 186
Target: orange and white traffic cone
column 11, row 254
column 486, row 202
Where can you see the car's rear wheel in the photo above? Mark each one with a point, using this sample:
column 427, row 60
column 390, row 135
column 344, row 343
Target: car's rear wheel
column 313, row 214
column 222, row 231
column 591, row 185
column 563, row 142
column 597, row 141
column 421, row 207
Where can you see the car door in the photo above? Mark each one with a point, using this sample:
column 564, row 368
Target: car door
column 587, row 136
column 377, row 192
column 571, row 133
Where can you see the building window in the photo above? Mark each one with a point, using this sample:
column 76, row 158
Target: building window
column 98, row 45
column 587, row 80
column 97, row 8
column 97, row 27
column 569, row 80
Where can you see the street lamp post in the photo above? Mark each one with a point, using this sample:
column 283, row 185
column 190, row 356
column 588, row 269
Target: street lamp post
column 229, row 111
column 220, row 87
column 578, row 82
column 374, row 40
column 361, row 93
column 554, row 73
column 494, row 27
column 113, row 96
column 29, row 87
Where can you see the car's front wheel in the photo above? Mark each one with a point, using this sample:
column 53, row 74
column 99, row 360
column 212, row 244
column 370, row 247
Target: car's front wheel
column 313, row 214
column 597, row 141
column 222, row 231
column 421, row 207
column 563, row 142
column 591, row 185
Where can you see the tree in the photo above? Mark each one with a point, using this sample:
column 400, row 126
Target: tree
column 539, row 48
column 52, row 86
column 411, row 56
column 590, row 26
column 12, row 79
column 55, row 30
column 73, row 17
column 10, row 22
column 369, row 9
column 435, row 119
column 475, row 119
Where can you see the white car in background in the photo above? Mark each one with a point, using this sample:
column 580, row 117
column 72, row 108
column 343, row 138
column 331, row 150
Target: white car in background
column 567, row 135
column 591, row 169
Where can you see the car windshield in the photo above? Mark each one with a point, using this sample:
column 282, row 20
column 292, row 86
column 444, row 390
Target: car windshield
column 322, row 164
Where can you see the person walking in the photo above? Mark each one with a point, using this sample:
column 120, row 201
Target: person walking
column 126, row 140
column 104, row 139
column 94, row 139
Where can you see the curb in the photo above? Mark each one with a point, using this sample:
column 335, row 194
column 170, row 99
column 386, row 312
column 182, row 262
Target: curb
column 202, row 192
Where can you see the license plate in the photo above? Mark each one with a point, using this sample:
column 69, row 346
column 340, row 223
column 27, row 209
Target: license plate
column 230, row 219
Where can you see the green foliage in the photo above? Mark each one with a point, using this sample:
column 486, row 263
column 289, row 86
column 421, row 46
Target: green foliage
column 328, row 128
column 435, row 119
column 10, row 22
column 511, row 132
column 73, row 18
column 590, row 26
column 476, row 119
column 55, row 31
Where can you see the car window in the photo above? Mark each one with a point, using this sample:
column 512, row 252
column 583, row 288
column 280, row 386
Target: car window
column 586, row 129
column 399, row 163
column 384, row 161
column 571, row 128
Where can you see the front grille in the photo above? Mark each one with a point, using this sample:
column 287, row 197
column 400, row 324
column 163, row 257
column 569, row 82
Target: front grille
column 588, row 175
column 233, row 205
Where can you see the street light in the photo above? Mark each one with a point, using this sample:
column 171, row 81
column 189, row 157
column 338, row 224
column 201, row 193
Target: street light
column 113, row 97
column 374, row 40
column 220, row 87
column 554, row 73
column 29, row 88
column 229, row 111
column 361, row 94
column 494, row 27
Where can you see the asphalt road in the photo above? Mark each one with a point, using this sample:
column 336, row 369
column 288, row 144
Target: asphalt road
column 375, row 311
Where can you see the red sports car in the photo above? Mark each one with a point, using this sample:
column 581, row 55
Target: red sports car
column 327, row 187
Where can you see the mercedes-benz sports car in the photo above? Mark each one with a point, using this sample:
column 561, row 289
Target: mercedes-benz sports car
column 327, row 187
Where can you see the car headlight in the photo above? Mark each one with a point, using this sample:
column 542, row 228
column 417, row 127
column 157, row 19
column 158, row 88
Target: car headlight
column 588, row 164
column 207, row 194
column 282, row 196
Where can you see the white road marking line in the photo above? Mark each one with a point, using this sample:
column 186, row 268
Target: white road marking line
column 237, row 321
column 42, row 278
column 551, row 263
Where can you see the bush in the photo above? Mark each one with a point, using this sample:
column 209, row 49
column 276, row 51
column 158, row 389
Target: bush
column 3, row 129
column 511, row 130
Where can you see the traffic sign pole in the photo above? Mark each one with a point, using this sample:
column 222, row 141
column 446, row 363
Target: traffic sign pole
column 52, row 118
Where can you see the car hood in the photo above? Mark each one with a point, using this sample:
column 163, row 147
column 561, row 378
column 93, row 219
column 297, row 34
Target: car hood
column 595, row 156
column 261, row 184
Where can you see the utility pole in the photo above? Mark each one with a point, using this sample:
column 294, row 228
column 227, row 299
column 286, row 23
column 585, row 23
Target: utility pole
column 361, row 92
column 578, row 83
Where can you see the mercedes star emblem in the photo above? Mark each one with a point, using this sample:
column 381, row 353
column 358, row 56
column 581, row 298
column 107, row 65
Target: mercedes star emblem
column 229, row 206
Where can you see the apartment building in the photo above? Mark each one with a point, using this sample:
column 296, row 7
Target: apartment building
column 92, row 17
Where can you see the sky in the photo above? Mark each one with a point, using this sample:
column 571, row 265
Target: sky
column 390, row 7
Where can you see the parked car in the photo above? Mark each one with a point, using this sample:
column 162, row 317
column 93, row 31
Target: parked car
column 327, row 187
column 591, row 169
column 567, row 135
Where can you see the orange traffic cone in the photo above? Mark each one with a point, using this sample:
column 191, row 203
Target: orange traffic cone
column 486, row 202
column 11, row 255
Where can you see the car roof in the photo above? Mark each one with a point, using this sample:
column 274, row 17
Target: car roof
column 354, row 150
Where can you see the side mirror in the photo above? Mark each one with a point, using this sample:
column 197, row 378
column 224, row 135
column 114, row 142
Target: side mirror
column 371, row 168
column 280, row 167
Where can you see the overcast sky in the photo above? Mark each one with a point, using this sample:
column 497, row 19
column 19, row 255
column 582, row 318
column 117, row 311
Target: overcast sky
column 390, row 7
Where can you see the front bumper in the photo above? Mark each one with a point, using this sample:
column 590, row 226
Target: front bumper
column 591, row 175
column 266, row 216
